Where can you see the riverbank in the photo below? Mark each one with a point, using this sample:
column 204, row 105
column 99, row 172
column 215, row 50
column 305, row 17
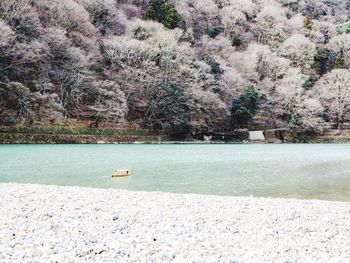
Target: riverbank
column 61, row 134
column 72, row 224
column 76, row 135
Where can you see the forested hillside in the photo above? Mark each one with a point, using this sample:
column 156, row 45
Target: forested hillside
column 180, row 65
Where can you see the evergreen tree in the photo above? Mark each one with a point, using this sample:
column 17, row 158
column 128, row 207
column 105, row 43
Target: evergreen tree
column 247, row 105
column 339, row 61
column 165, row 13
column 307, row 23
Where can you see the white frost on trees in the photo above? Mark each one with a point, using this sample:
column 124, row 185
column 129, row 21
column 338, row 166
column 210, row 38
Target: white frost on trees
column 299, row 105
column 231, row 18
column 271, row 24
column 301, row 51
column 334, row 93
column 7, row 36
column 258, row 62
column 322, row 32
column 341, row 44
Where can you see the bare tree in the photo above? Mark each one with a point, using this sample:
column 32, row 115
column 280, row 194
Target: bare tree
column 340, row 44
column 7, row 36
column 301, row 51
column 271, row 25
column 109, row 102
column 334, row 92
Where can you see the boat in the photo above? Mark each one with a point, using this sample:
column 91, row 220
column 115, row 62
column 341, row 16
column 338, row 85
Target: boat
column 121, row 173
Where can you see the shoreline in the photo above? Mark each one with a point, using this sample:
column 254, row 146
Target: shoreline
column 65, row 224
column 189, row 195
column 80, row 135
column 174, row 143
column 31, row 140
column 182, row 143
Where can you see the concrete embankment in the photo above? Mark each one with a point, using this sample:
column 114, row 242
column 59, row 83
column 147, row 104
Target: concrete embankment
column 52, row 135
column 62, row 135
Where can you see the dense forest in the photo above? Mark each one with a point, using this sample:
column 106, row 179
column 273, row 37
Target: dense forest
column 180, row 65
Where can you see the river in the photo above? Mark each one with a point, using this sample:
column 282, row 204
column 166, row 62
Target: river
column 306, row 171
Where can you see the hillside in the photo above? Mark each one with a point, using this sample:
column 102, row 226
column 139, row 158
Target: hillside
column 179, row 66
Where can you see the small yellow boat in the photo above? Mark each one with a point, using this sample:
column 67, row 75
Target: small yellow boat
column 121, row 173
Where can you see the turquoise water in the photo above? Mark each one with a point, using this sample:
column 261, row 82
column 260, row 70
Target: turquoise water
column 287, row 170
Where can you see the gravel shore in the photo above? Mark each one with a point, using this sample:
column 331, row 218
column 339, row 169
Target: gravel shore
column 73, row 224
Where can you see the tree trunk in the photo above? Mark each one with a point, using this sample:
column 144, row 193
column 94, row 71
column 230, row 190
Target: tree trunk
column 339, row 123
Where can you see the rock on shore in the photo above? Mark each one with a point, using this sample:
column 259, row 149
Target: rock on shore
column 73, row 224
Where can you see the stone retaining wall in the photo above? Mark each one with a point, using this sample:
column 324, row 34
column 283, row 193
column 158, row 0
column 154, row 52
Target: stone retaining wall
column 22, row 138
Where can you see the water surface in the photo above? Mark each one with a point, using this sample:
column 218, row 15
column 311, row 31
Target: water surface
column 287, row 170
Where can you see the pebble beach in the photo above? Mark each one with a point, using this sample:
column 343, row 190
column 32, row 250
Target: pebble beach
column 72, row 224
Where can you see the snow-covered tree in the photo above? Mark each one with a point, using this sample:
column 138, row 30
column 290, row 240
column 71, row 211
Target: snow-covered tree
column 7, row 36
column 334, row 92
column 271, row 25
column 301, row 51
column 109, row 102
column 322, row 32
column 340, row 45
column 114, row 59
column 301, row 109
column 231, row 19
